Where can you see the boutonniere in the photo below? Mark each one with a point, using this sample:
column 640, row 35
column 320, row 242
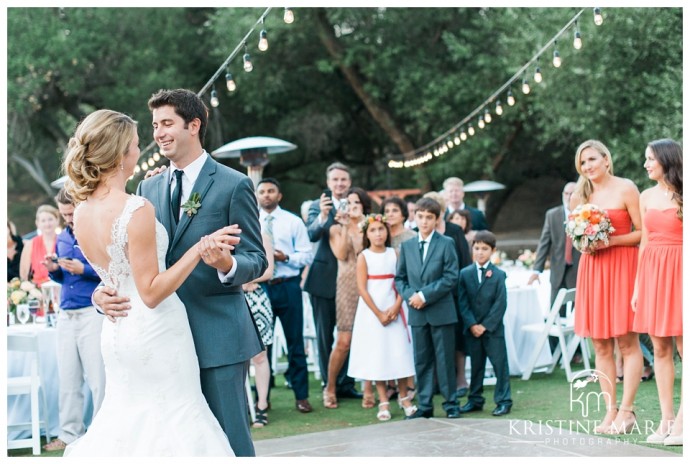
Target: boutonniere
column 489, row 273
column 192, row 205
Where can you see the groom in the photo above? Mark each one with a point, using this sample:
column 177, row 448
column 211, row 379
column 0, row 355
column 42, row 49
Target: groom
column 223, row 329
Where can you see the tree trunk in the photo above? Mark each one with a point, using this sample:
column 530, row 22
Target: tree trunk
column 353, row 77
column 36, row 171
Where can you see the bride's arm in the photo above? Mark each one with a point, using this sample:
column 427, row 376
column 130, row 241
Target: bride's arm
column 152, row 286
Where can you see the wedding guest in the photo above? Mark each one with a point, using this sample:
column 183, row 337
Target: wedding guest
column 79, row 358
column 411, row 201
column 381, row 347
column 483, row 302
column 462, row 249
column 606, row 279
column 463, row 218
column 291, row 252
column 15, row 245
column 426, row 275
column 345, row 238
column 658, row 295
column 395, row 210
column 454, row 190
column 260, row 306
column 321, row 279
column 35, row 250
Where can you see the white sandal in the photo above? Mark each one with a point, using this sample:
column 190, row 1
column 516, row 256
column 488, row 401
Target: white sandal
column 409, row 410
column 383, row 414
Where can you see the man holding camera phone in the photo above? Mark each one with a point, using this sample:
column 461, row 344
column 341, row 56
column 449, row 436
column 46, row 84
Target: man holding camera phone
column 78, row 331
column 320, row 282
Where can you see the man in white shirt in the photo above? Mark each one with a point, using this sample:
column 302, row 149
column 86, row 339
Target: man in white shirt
column 292, row 253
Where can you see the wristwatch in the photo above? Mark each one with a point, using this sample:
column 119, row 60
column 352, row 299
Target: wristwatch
column 287, row 258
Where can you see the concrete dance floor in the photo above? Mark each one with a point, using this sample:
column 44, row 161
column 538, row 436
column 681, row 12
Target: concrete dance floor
column 440, row 437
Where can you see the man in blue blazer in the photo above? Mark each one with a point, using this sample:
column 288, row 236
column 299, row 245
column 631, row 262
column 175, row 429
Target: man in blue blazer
column 427, row 273
column 454, row 191
column 224, row 332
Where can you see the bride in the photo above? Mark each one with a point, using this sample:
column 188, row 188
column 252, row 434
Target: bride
column 153, row 403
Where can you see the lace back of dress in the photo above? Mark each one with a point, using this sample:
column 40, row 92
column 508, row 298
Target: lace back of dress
column 119, row 268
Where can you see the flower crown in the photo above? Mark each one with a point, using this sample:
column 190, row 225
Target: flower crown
column 368, row 219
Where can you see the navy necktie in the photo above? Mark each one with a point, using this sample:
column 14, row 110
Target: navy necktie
column 177, row 195
column 421, row 250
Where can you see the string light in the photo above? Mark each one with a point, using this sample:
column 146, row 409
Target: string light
column 151, row 162
column 144, row 166
column 449, row 143
column 247, row 60
column 463, row 135
column 537, row 75
column 456, row 139
column 598, row 18
column 156, row 157
column 556, row 56
column 499, row 108
column 263, row 39
column 470, row 130
column 230, row 82
column 480, row 122
column 525, row 85
column 510, row 98
column 288, row 16
column 577, row 41
column 137, row 169
column 487, row 116
column 214, row 98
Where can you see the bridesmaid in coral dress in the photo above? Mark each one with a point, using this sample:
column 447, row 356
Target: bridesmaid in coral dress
column 658, row 297
column 606, row 280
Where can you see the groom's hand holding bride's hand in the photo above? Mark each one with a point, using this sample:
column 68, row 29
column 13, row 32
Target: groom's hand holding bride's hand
column 215, row 249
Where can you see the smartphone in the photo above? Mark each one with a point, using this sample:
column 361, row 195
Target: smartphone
column 328, row 193
column 54, row 259
column 343, row 207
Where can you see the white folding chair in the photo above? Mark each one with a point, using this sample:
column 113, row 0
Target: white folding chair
column 564, row 329
column 250, row 397
column 28, row 385
column 310, row 341
column 279, row 349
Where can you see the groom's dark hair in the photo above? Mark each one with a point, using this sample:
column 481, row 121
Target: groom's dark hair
column 187, row 104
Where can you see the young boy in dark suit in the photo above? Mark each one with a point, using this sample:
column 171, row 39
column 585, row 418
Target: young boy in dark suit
column 427, row 273
column 483, row 300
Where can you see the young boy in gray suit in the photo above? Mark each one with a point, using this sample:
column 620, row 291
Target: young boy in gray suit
column 427, row 272
column 483, row 301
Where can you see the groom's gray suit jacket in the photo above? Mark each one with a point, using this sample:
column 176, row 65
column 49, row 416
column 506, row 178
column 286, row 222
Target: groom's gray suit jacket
column 222, row 326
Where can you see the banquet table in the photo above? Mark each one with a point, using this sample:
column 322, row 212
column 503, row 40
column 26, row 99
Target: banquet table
column 19, row 407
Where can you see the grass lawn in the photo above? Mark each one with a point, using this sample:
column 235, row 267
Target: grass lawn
column 543, row 397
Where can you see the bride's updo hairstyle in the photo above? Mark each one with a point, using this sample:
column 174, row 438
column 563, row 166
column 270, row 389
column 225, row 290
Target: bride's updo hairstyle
column 96, row 150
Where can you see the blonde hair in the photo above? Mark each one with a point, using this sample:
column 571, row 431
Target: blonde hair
column 584, row 187
column 438, row 198
column 97, row 148
column 50, row 209
column 453, row 181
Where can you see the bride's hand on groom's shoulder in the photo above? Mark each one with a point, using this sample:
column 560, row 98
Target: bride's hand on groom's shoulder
column 155, row 172
column 215, row 249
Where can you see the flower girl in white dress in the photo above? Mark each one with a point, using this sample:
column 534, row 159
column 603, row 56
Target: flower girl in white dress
column 381, row 349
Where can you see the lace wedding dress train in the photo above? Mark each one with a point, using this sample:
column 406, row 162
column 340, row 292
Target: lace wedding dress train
column 153, row 403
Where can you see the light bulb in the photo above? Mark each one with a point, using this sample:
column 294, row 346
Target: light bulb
column 510, row 98
column 263, row 41
column 156, row 157
column 230, row 82
column 499, row 108
column 214, row 99
column 456, row 140
column 436, row 152
column 480, row 122
column 487, row 115
column 151, row 162
column 525, row 87
column 598, row 18
column 470, row 130
column 556, row 59
column 144, row 166
column 288, row 16
column 537, row 75
column 137, row 169
column 463, row 135
column 449, row 142
column 577, row 41
column 248, row 66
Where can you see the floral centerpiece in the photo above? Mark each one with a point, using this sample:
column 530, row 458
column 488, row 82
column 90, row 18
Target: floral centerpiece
column 587, row 226
column 527, row 258
column 19, row 292
column 498, row 257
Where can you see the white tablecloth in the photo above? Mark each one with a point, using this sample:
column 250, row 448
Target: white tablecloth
column 19, row 407
column 523, row 308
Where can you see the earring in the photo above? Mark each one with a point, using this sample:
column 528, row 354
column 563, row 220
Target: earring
column 122, row 167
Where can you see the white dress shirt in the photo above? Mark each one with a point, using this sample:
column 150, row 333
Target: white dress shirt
column 426, row 250
column 479, row 270
column 289, row 236
column 189, row 177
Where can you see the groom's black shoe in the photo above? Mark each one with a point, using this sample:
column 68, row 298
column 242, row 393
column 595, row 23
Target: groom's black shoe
column 453, row 413
column 349, row 393
column 470, row 407
column 501, row 410
column 419, row 414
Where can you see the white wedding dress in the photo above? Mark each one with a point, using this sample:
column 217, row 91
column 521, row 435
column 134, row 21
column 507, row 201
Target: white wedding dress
column 153, row 403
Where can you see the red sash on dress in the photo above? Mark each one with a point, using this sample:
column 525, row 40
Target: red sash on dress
column 402, row 312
